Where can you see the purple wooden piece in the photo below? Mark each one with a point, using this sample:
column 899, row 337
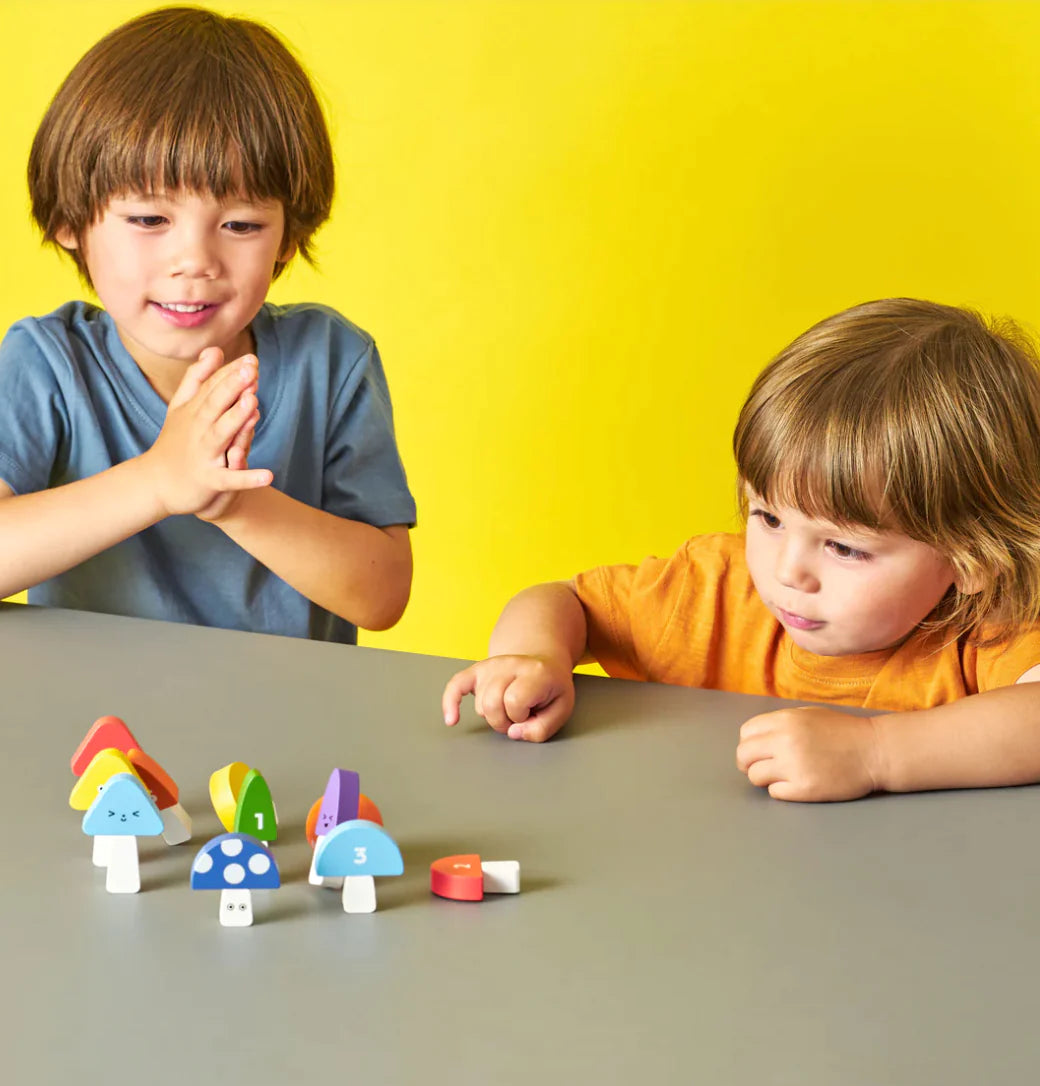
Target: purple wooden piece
column 340, row 802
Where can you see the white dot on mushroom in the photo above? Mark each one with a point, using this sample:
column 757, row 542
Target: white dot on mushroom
column 234, row 874
column 231, row 847
column 259, row 864
column 203, row 863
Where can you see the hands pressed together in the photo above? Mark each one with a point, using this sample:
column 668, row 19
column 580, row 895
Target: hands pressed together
column 808, row 753
column 199, row 461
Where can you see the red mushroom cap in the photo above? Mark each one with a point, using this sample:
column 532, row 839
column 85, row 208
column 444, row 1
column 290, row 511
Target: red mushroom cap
column 107, row 732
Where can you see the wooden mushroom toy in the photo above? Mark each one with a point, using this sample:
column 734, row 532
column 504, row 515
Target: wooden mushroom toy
column 254, row 809
column 468, row 878
column 122, row 812
column 104, row 765
column 106, row 733
column 224, row 786
column 111, row 733
column 340, row 803
column 359, row 851
column 235, row 864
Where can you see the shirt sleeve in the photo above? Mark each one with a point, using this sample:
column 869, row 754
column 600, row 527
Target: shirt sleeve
column 364, row 478
column 605, row 594
column 32, row 415
column 637, row 615
column 1004, row 664
column 664, row 619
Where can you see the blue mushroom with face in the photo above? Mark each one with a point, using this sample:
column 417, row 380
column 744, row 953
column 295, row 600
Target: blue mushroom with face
column 359, row 851
column 235, row 864
column 122, row 812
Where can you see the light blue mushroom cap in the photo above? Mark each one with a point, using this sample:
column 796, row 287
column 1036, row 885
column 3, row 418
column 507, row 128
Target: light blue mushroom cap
column 234, row 861
column 123, row 808
column 357, row 847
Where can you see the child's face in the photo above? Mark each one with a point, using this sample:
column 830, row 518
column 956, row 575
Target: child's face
column 179, row 272
column 838, row 592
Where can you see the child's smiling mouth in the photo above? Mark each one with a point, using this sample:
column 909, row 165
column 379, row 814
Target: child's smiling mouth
column 184, row 307
column 185, row 314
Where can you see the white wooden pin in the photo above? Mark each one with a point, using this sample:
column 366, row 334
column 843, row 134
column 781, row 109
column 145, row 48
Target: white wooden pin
column 176, row 825
column 123, row 875
column 501, row 876
column 236, row 908
column 359, row 894
column 100, row 851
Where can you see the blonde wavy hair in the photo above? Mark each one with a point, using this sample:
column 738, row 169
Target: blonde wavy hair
column 183, row 98
column 908, row 416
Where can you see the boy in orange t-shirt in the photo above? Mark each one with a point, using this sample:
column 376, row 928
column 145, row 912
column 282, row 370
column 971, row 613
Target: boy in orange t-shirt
column 889, row 466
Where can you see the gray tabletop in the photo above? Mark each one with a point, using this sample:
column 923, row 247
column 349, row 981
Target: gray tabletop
column 674, row 923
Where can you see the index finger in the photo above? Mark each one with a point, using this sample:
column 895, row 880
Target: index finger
column 222, row 389
column 458, row 686
column 209, row 361
column 756, row 725
column 751, row 749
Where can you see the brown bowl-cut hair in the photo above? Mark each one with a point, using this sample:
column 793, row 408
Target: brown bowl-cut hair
column 183, row 99
column 912, row 417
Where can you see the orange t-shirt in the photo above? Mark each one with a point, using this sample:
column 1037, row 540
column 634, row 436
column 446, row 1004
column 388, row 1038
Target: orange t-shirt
column 695, row 619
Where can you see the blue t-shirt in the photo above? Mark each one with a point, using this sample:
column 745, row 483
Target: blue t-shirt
column 73, row 403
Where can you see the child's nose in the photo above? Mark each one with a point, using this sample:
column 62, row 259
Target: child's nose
column 193, row 257
column 794, row 570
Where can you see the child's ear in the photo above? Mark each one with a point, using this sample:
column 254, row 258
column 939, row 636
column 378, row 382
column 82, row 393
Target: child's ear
column 288, row 252
column 66, row 238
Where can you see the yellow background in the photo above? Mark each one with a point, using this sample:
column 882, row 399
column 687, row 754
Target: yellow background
column 577, row 230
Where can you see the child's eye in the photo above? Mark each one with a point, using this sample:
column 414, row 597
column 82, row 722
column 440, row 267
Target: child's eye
column 147, row 221
column 770, row 520
column 238, row 227
column 843, row 550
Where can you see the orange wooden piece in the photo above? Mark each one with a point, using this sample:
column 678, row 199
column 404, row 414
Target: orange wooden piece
column 107, row 732
column 161, row 785
column 366, row 810
column 459, row 877
column 312, row 822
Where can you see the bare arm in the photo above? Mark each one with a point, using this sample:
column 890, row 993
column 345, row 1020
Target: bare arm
column 45, row 533
column 545, row 620
column 814, row 753
column 526, row 687
column 981, row 741
column 361, row 573
column 49, row 532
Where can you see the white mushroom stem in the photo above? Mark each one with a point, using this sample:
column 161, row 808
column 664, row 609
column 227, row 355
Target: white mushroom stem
column 101, row 851
column 176, row 825
column 329, row 882
column 123, row 875
column 236, row 908
column 359, row 894
column 501, row 876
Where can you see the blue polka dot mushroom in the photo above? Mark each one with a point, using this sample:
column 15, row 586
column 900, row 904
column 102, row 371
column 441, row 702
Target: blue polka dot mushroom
column 235, row 864
column 359, row 851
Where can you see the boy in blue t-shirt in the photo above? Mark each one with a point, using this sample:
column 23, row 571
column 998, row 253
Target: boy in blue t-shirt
column 188, row 452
